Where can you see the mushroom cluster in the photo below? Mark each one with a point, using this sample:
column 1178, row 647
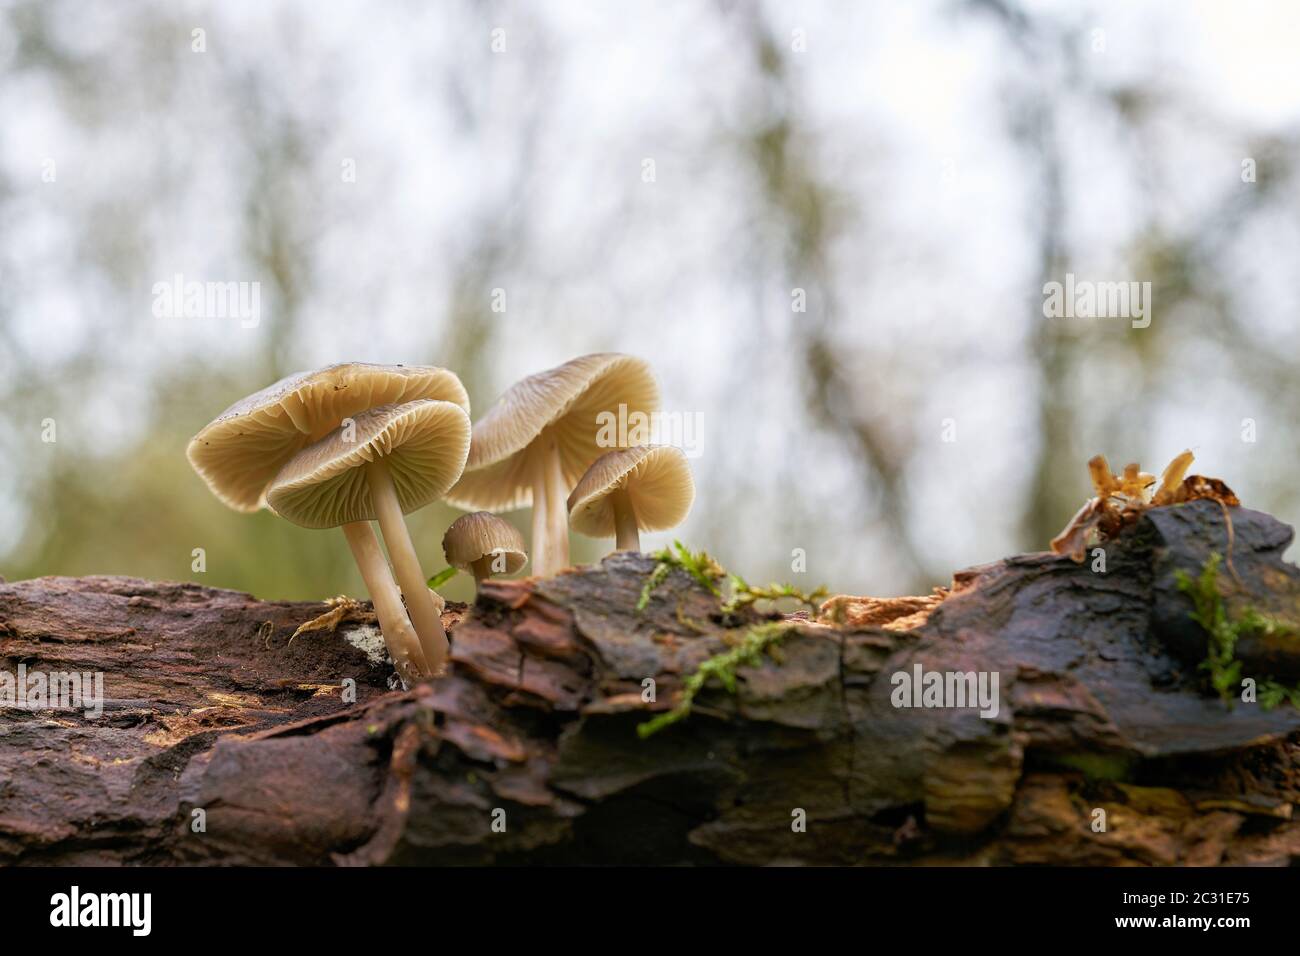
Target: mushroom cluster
column 354, row 443
column 345, row 445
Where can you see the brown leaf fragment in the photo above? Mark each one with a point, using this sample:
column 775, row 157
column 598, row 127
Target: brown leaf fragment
column 1073, row 539
column 341, row 609
column 1198, row 486
column 893, row 614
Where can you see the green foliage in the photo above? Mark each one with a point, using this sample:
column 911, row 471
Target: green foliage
column 722, row 667
column 1221, row 663
column 698, row 564
column 707, row 572
column 1208, row 611
column 1272, row 693
column 757, row 640
column 744, row 594
column 442, row 577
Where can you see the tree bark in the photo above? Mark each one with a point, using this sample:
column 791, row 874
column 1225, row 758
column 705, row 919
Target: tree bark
column 222, row 742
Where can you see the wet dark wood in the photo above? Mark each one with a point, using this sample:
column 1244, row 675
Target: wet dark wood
column 211, row 709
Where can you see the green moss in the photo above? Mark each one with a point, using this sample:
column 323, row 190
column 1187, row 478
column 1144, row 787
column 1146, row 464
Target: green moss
column 698, row 564
column 1221, row 664
column 708, row 573
column 759, row 639
column 722, row 667
column 1096, row 766
column 744, row 595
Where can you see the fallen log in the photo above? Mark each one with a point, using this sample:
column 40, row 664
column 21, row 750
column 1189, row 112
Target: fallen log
column 221, row 741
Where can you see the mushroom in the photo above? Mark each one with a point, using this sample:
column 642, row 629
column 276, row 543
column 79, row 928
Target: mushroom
column 646, row 488
column 242, row 449
column 541, row 435
column 399, row 458
column 484, row 544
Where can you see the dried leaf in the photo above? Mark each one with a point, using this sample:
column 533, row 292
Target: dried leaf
column 1197, row 487
column 340, row 608
column 1073, row 539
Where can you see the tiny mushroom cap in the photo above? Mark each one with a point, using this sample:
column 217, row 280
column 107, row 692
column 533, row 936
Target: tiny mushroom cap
column 240, row 452
column 646, row 488
column 484, row 544
column 391, row 459
column 540, row 436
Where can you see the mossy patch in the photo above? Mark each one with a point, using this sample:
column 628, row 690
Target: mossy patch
column 746, row 653
column 1221, row 664
column 709, row 574
column 1096, row 766
column 698, row 564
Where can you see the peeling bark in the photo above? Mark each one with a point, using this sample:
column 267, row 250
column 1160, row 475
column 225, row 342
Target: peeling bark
column 211, row 708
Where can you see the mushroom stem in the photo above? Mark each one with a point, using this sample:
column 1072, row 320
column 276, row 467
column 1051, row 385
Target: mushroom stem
column 626, row 535
column 550, row 511
column 481, row 569
column 403, row 646
column 419, row 601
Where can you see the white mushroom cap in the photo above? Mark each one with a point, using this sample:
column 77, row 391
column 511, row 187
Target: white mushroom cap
column 568, row 399
column 423, row 444
column 475, row 536
column 657, row 479
column 240, row 452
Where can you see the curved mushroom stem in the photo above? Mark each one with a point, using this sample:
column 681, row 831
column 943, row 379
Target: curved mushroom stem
column 415, row 588
column 399, row 637
column 550, row 511
column 626, row 535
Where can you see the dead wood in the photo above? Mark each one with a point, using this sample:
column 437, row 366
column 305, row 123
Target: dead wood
column 210, row 707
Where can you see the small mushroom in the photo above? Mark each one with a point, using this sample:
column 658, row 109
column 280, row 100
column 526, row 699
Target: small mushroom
column 240, row 452
column 397, row 459
column 484, row 545
column 541, row 435
column 646, row 488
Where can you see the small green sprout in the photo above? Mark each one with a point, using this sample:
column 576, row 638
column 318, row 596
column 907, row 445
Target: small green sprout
column 442, row 577
column 698, row 564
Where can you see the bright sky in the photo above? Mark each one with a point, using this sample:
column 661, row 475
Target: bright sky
column 903, row 110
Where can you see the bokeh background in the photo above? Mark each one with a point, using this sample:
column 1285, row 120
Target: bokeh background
column 919, row 170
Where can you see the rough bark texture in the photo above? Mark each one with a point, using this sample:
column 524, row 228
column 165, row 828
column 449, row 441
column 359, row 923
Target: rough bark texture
column 209, row 707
